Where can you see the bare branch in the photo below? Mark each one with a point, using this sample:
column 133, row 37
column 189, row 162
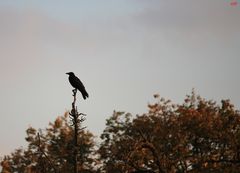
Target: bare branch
column 77, row 119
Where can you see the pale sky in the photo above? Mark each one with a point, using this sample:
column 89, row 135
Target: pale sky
column 124, row 51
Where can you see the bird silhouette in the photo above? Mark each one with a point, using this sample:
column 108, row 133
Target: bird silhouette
column 77, row 84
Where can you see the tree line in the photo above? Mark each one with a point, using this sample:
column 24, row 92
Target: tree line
column 196, row 136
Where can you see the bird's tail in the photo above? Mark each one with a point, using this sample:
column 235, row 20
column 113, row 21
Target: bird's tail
column 84, row 94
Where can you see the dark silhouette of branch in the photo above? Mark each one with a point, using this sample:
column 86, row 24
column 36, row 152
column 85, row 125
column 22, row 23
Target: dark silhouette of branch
column 76, row 118
column 46, row 156
column 147, row 144
column 224, row 161
column 155, row 155
column 144, row 143
column 75, row 122
column 143, row 171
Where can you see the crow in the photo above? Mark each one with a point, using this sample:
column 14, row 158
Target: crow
column 77, row 84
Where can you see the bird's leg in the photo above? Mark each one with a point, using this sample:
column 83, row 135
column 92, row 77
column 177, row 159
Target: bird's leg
column 74, row 91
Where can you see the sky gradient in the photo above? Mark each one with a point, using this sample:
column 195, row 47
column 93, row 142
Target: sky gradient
column 123, row 51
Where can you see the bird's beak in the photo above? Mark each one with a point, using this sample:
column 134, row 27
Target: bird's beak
column 67, row 73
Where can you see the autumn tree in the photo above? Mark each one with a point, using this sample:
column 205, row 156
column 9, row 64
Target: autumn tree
column 196, row 136
column 56, row 141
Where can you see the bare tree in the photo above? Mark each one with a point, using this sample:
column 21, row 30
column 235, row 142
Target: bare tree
column 77, row 119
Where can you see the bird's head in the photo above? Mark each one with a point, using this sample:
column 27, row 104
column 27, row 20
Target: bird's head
column 70, row 73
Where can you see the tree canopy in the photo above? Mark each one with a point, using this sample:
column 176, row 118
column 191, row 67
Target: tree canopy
column 198, row 135
column 57, row 143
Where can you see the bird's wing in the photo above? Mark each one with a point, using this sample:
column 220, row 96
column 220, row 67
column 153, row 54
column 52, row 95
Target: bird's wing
column 80, row 87
column 79, row 83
